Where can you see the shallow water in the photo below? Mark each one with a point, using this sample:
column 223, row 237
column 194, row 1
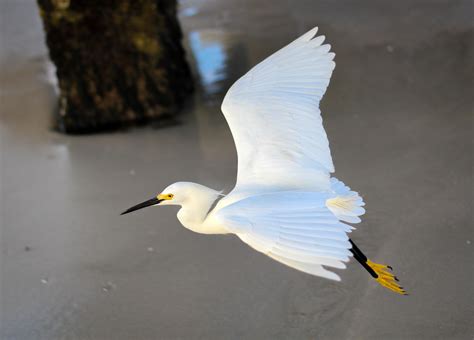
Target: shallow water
column 398, row 114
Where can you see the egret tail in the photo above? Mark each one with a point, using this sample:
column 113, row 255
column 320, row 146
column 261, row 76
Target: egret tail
column 380, row 272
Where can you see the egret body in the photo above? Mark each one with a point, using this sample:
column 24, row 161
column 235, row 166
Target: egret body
column 285, row 203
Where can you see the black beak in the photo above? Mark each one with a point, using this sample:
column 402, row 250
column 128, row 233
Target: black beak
column 145, row 204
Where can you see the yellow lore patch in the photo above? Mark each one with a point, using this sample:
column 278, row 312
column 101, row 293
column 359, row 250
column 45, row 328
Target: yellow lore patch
column 165, row 197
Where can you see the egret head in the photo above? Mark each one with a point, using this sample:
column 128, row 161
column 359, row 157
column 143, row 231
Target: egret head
column 175, row 194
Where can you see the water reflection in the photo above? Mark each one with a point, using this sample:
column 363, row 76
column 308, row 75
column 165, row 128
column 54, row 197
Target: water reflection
column 189, row 12
column 209, row 52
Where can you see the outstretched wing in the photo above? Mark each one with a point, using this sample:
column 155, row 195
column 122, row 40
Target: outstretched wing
column 273, row 113
column 294, row 228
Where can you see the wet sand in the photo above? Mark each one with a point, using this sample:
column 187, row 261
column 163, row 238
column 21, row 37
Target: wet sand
column 398, row 114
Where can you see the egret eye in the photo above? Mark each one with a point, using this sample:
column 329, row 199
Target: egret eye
column 170, row 196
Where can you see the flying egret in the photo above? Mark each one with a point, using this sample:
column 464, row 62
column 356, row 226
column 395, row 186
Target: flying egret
column 285, row 203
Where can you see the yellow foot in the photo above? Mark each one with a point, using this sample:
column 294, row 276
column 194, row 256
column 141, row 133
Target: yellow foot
column 385, row 277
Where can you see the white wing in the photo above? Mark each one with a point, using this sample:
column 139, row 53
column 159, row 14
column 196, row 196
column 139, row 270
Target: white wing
column 273, row 113
column 294, row 228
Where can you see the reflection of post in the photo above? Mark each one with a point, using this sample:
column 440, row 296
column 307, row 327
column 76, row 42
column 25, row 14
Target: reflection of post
column 221, row 59
column 119, row 62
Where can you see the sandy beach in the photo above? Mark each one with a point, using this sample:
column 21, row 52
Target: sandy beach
column 399, row 117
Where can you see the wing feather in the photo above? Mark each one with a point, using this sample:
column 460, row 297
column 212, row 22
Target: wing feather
column 295, row 228
column 273, row 113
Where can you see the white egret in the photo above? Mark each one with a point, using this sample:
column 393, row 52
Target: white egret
column 285, row 203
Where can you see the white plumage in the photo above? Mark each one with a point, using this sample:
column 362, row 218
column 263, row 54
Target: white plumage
column 285, row 203
column 295, row 228
column 273, row 113
column 284, row 161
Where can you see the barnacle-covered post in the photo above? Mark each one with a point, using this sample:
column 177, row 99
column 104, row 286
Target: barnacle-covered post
column 119, row 62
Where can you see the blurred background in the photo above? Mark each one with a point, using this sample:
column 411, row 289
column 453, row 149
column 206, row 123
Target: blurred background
column 398, row 114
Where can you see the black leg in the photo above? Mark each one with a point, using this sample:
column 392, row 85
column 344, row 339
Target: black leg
column 362, row 259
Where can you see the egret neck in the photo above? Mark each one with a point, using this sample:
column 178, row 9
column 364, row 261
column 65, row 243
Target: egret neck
column 195, row 209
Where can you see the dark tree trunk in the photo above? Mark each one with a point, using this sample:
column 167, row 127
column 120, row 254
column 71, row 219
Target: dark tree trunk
column 119, row 62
